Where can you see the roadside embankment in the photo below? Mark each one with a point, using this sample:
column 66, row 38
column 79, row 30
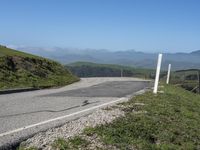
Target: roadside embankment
column 169, row 120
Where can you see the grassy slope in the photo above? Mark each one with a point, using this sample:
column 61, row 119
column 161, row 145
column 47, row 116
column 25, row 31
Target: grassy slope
column 4, row 51
column 20, row 69
column 171, row 122
column 88, row 69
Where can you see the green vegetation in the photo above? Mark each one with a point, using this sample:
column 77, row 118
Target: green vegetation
column 60, row 144
column 19, row 70
column 23, row 148
column 165, row 121
column 73, row 143
column 87, row 69
column 187, row 79
column 4, row 51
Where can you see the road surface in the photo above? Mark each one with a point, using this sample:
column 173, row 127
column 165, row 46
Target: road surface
column 24, row 114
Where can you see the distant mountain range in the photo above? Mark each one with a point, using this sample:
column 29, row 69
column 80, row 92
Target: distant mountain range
column 128, row 57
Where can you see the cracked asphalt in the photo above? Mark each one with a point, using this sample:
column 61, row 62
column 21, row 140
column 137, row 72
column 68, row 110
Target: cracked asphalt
column 18, row 110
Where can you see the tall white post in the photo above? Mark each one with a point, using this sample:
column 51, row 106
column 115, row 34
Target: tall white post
column 155, row 90
column 168, row 73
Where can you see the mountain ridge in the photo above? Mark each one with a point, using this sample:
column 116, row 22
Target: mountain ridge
column 195, row 52
column 130, row 57
column 89, row 69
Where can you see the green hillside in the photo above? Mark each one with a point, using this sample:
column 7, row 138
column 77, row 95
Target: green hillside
column 88, row 69
column 4, row 51
column 19, row 70
column 187, row 79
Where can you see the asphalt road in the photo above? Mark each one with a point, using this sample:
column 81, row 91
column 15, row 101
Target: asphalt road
column 24, row 114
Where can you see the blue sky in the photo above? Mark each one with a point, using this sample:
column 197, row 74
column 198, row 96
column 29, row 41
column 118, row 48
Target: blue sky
column 143, row 25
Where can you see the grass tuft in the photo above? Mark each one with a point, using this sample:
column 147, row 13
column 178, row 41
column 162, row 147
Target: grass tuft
column 23, row 148
column 77, row 142
column 60, row 144
column 73, row 143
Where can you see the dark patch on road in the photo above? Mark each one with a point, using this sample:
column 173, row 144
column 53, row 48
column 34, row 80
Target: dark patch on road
column 108, row 89
column 86, row 102
column 10, row 91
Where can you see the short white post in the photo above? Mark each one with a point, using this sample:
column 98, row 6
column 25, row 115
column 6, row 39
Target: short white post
column 121, row 72
column 168, row 73
column 155, row 90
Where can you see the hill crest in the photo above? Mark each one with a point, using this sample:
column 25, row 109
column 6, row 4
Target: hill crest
column 20, row 70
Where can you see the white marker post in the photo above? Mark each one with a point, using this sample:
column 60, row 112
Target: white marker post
column 155, row 90
column 168, row 73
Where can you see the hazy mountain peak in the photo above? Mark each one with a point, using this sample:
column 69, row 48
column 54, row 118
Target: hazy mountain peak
column 196, row 52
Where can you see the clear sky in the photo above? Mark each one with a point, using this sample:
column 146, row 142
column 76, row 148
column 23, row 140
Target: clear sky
column 143, row 25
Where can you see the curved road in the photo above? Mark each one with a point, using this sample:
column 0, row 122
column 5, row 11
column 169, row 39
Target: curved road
column 24, row 114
